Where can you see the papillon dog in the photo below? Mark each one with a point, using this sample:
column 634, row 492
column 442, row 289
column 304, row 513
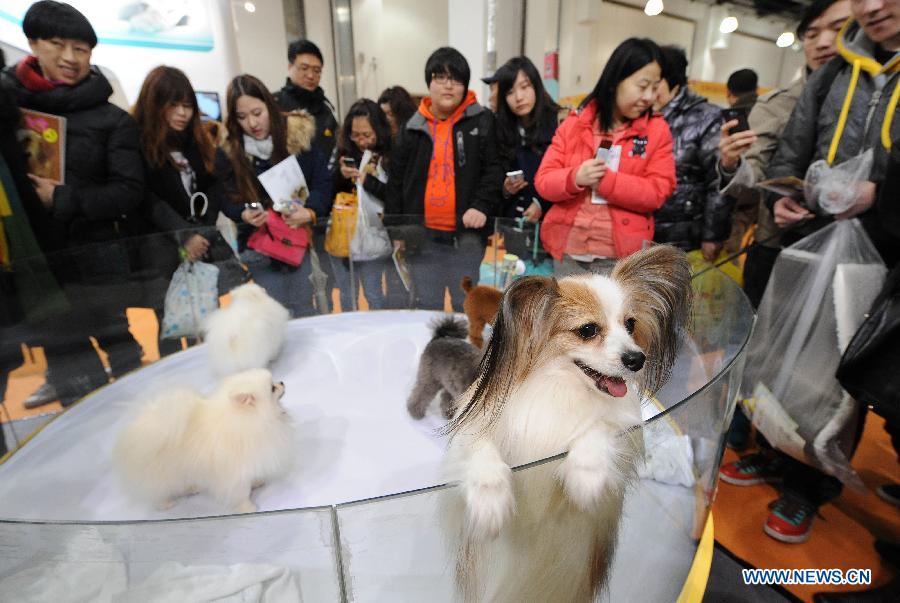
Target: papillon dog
column 246, row 334
column 226, row 444
column 564, row 371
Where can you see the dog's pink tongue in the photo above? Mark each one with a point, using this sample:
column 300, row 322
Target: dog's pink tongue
column 615, row 386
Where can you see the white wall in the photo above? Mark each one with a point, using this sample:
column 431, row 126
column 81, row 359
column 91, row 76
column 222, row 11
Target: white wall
column 368, row 47
column 507, row 35
column 541, row 19
column 392, row 39
column 581, row 45
column 319, row 31
column 585, row 47
column 466, row 31
column 745, row 51
column 261, row 42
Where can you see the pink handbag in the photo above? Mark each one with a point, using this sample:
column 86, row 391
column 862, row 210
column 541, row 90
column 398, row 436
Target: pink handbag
column 279, row 241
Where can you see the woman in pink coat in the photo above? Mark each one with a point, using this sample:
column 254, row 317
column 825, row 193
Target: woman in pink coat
column 609, row 167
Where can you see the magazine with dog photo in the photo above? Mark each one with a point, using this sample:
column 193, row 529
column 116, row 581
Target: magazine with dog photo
column 44, row 139
column 284, row 182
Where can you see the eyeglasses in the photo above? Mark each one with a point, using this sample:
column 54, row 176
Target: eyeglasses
column 445, row 78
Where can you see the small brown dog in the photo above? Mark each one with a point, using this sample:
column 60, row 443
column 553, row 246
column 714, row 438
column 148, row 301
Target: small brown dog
column 481, row 305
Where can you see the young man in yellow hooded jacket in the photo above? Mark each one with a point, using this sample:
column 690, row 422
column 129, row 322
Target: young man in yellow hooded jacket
column 855, row 114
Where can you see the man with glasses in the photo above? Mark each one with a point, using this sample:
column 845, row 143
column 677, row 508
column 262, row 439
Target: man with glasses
column 302, row 91
column 445, row 168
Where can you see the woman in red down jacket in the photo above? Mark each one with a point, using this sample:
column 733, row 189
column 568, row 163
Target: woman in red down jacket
column 603, row 207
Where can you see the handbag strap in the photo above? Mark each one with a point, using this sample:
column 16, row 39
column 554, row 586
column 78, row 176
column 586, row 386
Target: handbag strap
column 194, row 215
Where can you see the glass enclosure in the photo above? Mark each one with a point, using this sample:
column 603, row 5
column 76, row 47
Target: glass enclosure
column 358, row 517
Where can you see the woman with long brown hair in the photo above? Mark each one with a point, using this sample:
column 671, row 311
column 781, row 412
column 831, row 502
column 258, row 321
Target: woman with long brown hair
column 183, row 195
column 259, row 137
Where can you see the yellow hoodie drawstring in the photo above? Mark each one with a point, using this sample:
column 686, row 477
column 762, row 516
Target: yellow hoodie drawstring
column 889, row 117
column 845, row 111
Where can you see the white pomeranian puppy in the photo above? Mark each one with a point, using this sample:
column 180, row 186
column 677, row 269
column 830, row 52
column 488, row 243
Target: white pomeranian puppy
column 248, row 333
column 227, row 444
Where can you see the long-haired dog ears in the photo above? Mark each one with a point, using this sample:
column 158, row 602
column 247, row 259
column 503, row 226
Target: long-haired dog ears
column 657, row 285
column 518, row 333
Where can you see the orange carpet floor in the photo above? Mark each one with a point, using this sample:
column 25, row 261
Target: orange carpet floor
column 841, row 538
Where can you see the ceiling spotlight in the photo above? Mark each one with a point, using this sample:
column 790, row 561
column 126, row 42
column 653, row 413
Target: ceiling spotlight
column 249, row 7
column 653, row 8
column 729, row 24
column 784, row 40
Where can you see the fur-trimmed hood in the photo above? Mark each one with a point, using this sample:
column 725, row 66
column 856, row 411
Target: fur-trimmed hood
column 301, row 131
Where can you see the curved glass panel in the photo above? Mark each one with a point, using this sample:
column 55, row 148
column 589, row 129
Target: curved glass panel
column 358, row 516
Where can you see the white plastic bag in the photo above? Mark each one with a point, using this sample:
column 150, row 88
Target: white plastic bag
column 816, row 299
column 193, row 295
column 371, row 240
column 836, row 188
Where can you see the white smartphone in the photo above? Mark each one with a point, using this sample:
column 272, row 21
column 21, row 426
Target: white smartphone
column 516, row 175
column 603, row 151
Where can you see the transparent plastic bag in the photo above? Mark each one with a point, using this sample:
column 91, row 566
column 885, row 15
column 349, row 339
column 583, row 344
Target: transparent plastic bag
column 836, row 188
column 818, row 294
column 370, row 240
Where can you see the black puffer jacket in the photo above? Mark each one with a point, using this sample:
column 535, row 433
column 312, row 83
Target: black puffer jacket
column 477, row 168
column 293, row 98
column 104, row 170
column 696, row 212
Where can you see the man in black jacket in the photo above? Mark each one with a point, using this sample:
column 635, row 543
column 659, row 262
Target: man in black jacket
column 445, row 168
column 302, row 91
column 104, row 182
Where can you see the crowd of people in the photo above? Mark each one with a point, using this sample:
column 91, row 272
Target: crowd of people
column 642, row 159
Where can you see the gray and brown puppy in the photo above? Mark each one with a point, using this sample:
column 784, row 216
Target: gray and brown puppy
column 448, row 365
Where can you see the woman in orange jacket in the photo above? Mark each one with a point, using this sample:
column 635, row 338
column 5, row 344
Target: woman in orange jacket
column 609, row 167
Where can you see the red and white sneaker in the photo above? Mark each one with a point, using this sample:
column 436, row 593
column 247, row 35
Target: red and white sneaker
column 790, row 520
column 753, row 469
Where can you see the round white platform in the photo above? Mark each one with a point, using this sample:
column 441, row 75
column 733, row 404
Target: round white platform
column 347, row 378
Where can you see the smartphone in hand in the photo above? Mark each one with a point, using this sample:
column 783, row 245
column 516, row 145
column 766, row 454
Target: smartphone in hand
column 603, row 150
column 516, row 175
column 739, row 114
column 349, row 162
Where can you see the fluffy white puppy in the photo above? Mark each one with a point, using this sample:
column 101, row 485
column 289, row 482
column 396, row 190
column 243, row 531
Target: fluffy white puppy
column 248, row 333
column 227, row 444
